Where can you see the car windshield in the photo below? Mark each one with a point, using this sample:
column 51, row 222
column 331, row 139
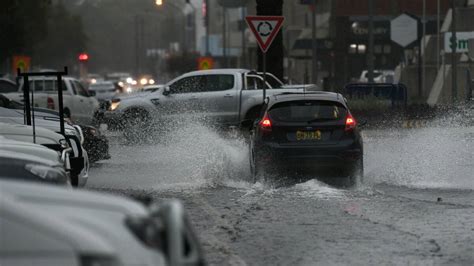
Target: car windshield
column 305, row 111
column 102, row 87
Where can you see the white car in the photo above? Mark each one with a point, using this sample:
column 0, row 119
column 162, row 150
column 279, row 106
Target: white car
column 19, row 165
column 49, row 139
column 79, row 159
column 49, row 225
column 103, row 90
column 78, row 104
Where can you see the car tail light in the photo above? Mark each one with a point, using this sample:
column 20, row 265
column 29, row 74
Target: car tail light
column 350, row 122
column 265, row 124
column 50, row 103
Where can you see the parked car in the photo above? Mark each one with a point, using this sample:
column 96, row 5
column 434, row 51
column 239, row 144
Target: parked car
column 380, row 76
column 79, row 160
column 49, row 225
column 221, row 96
column 44, row 137
column 95, row 143
column 104, row 90
column 312, row 132
column 23, row 166
column 7, row 86
column 78, row 104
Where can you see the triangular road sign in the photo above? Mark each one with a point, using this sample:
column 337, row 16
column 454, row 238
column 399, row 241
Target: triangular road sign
column 265, row 28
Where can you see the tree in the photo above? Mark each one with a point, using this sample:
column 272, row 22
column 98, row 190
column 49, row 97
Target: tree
column 64, row 40
column 274, row 57
column 22, row 24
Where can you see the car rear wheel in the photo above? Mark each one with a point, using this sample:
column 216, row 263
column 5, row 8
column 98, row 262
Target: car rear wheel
column 356, row 176
column 256, row 168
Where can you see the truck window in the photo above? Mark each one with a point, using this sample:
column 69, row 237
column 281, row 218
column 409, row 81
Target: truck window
column 218, row 82
column 187, row 85
column 254, row 83
column 46, row 85
column 80, row 90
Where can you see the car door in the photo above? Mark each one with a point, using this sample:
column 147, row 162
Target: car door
column 84, row 106
column 219, row 98
column 181, row 100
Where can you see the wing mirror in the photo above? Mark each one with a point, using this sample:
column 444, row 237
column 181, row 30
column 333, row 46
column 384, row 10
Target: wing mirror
column 362, row 123
column 91, row 93
column 167, row 91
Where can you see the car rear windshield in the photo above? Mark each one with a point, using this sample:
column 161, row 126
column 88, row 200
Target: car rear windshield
column 306, row 111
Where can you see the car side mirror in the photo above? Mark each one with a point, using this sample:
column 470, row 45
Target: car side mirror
column 181, row 245
column 167, row 91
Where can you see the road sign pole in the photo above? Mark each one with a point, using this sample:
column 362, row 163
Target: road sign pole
column 264, row 75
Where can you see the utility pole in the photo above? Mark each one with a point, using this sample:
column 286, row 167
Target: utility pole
column 370, row 54
column 244, row 43
column 422, row 50
column 314, row 43
column 207, row 27
column 453, row 52
column 224, row 35
column 438, row 34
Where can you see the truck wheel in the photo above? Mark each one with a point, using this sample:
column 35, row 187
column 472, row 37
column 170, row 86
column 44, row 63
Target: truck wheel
column 356, row 176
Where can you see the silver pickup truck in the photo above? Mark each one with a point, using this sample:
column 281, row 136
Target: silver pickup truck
column 222, row 96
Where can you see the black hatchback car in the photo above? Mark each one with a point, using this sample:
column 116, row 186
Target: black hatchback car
column 312, row 133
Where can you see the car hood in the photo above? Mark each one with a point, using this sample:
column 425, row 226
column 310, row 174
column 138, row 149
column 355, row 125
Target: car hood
column 25, row 148
column 24, row 133
column 44, row 120
column 100, row 214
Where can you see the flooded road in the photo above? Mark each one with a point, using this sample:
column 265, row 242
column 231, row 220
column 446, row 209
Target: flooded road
column 416, row 205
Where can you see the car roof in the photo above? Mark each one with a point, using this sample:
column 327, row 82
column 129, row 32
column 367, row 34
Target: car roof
column 309, row 95
column 218, row 71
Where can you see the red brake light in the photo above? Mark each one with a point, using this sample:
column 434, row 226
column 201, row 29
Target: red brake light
column 350, row 122
column 266, row 123
column 50, row 103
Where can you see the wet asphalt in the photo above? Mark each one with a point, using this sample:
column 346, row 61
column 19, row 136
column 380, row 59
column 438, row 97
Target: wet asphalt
column 416, row 206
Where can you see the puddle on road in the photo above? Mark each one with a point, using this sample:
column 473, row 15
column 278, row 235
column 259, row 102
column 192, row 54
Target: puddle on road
column 193, row 157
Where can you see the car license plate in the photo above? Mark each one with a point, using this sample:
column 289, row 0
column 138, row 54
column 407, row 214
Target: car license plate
column 308, row 135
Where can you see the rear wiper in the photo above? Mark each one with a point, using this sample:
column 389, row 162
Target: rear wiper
column 320, row 120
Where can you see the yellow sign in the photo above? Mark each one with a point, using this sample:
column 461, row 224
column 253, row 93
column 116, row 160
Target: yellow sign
column 21, row 62
column 205, row 63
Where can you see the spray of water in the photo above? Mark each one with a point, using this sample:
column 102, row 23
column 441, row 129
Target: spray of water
column 437, row 156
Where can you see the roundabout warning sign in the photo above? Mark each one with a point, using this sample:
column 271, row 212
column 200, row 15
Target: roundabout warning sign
column 265, row 29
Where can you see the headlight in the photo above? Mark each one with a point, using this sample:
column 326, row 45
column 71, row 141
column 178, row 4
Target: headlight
column 95, row 260
column 115, row 104
column 47, row 173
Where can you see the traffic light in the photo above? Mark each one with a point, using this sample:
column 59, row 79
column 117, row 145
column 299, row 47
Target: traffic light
column 83, row 57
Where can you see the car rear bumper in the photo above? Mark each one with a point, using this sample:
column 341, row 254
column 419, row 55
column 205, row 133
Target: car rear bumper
column 342, row 155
